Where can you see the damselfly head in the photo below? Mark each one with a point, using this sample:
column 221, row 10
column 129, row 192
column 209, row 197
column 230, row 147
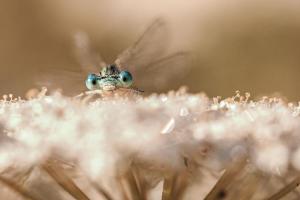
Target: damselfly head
column 109, row 79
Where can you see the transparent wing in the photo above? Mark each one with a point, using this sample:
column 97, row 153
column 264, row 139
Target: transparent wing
column 151, row 45
column 90, row 61
column 165, row 73
column 146, row 60
column 73, row 80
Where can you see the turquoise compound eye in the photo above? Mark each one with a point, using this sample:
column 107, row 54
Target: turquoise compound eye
column 92, row 82
column 126, row 78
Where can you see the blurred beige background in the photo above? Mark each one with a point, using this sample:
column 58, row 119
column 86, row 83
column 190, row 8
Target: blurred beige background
column 251, row 46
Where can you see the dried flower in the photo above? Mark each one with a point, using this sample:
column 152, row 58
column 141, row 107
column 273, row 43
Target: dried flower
column 124, row 147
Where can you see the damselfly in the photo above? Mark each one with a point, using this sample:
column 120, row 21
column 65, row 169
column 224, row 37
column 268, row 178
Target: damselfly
column 143, row 64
